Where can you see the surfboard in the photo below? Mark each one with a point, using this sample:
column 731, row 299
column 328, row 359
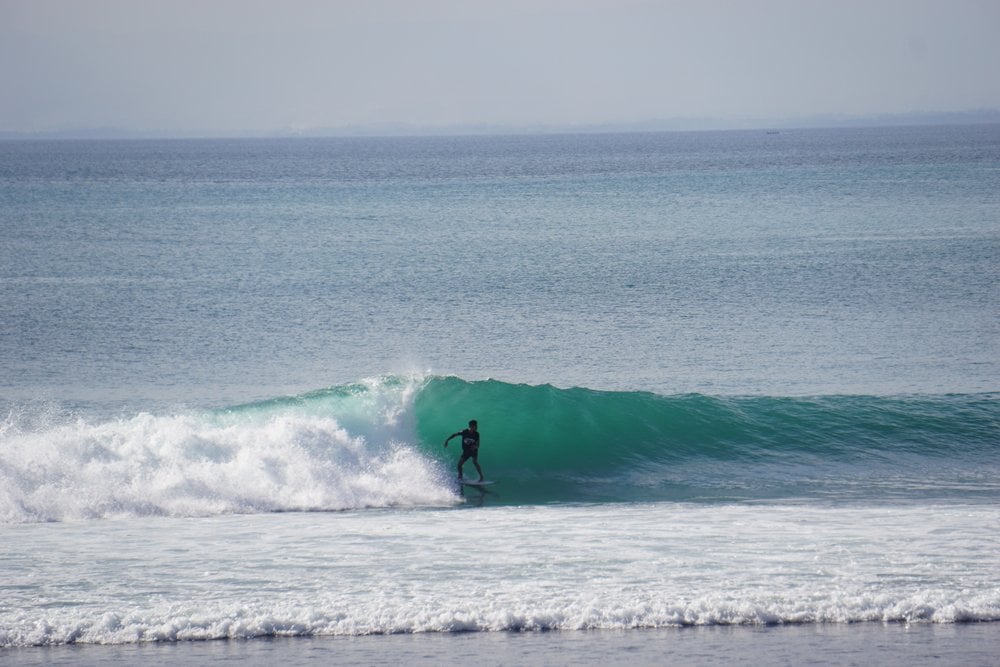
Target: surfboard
column 471, row 482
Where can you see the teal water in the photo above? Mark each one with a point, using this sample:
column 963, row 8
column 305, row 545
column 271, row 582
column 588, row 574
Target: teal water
column 722, row 378
column 585, row 445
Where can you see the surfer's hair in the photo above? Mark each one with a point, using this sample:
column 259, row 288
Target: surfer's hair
column 473, row 422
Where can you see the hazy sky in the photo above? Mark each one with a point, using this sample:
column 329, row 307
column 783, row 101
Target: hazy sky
column 231, row 65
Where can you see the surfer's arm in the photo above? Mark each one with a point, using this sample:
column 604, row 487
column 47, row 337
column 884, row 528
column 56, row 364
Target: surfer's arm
column 450, row 437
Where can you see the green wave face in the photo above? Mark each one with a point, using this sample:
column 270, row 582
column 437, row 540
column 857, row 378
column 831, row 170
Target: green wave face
column 547, row 443
column 546, row 429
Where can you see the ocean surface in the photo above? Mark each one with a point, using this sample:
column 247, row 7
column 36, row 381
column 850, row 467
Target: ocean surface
column 739, row 393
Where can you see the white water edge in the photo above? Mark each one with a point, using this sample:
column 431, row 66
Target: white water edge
column 558, row 567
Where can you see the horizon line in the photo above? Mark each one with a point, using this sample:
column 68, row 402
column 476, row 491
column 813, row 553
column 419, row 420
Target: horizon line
column 402, row 129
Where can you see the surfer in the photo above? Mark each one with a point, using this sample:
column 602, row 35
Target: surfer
column 470, row 447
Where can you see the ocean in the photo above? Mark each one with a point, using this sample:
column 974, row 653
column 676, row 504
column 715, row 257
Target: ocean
column 738, row 392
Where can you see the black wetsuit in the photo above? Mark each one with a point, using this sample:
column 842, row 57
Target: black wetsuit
column 470, row 449
column 470, row 442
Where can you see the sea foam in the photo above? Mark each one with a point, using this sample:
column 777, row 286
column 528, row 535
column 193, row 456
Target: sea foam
column 199, row 464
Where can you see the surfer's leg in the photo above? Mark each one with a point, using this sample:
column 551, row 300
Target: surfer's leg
column 475, row 462
column 461, row 461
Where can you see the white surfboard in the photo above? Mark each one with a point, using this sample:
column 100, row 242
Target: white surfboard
column 474, row 482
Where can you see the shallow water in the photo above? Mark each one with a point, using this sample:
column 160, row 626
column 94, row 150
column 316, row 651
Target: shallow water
column 892, row 645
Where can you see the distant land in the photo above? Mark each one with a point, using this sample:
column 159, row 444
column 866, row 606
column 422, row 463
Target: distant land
column 977, row 117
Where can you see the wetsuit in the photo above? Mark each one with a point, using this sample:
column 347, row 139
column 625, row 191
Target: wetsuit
column 470, row 450
column 470, row 443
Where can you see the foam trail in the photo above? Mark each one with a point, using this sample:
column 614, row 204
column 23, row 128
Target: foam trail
column 258, row 459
